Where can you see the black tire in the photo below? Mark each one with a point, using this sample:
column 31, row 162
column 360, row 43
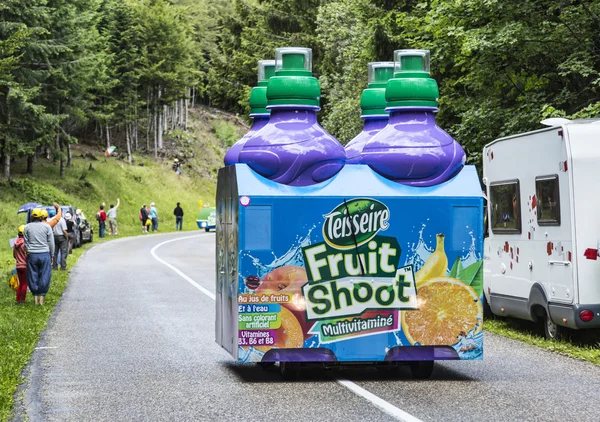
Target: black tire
column 421, row 369
column 487, row 311
column 552, row 331
column 266, row 365
column 206, row 229
column 289, row 370
column 91, row 237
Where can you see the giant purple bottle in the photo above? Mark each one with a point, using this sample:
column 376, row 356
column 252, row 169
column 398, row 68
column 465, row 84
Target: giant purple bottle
column 372, row 104
column 258, row 109
column 412, row 149
column 292, row 148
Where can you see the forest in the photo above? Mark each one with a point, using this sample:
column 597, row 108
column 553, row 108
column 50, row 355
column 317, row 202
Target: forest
column 125, row 72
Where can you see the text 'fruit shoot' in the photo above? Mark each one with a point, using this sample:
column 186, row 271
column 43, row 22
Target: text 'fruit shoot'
column 356, row 270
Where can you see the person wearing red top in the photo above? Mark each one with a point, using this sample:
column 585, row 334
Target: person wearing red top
column 21, row 257
column 101, row 217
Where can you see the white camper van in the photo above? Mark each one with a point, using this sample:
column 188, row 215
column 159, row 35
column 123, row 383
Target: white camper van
column 543, row 217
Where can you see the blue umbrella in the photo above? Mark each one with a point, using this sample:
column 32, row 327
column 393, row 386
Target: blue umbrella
column 28, row 206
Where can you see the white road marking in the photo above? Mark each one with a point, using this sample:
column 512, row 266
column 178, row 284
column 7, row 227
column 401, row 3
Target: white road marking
column 388, row 408
column 179, row 272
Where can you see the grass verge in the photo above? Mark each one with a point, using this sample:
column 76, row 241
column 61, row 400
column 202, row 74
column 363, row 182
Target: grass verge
column 20, row 326
column 580, row 345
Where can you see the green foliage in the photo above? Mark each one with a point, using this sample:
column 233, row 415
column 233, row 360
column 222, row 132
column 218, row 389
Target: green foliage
column 226, row 132
column 501, row 66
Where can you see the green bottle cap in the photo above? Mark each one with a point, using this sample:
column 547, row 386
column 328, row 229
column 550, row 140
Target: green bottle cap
column 412, row 85
column 293, row 83
column 372, row 100
column 258, row 95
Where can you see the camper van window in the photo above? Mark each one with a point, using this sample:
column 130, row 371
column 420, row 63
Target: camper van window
column 548, row 203
column 506, row 207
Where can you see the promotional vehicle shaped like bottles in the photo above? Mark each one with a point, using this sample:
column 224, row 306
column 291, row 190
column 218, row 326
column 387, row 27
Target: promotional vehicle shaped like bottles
column 355, row 267
column 541, row 256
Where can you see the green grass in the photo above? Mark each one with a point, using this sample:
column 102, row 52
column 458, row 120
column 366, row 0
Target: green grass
column 579, row 345
column 20, row 327
column 226, row 132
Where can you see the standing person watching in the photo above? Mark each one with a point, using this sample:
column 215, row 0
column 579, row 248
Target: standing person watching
column 178, row 213
column 39, row 244
column 101, row 217
column 61, row 243
column 112, row 218
column 20, row 255
column 144, row 218
column 56, row 219
column 70, row 230
column 154, row 217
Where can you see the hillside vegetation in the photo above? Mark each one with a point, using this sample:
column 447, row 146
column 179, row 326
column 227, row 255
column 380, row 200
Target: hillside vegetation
column 89, row 182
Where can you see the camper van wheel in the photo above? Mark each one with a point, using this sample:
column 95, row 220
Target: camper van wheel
column 289, row 370
column 421, row 369
column 206, row 229
column 551, row 330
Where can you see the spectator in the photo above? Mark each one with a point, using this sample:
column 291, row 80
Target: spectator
column 154, row 217
column 61, row 243
column 39, row 244
column 21, row 257
column 56, row 219
column 71, row 222
column 178, row 213
column 144, row 218
column 112, row 218
column 101, row 218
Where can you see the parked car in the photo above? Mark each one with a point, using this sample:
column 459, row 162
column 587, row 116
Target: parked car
column 83, row 230
column 207, row 219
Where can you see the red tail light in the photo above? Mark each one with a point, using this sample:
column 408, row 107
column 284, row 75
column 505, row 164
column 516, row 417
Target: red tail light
column 591, row 254
column 586, row 315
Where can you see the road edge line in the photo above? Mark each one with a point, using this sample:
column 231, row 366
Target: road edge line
column 177, row 270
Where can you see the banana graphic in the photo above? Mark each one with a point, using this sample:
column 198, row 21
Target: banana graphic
column 436, row 265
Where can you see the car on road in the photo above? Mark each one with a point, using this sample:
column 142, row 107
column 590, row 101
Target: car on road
column 207, row 219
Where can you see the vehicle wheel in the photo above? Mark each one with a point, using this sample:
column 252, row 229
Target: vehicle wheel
column 91, row 237
column 551, row 330
column 289, row 370
column 266, row 365
column 206, row 229
column 487, row 311
column 421, row 369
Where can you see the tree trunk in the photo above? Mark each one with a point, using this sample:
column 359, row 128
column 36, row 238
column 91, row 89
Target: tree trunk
column 62, row 157
column 135, row 133
column 107, row 136
column 128, row 138
column 30, row 161
column 149, row 120
column 155, row 130
column 69, row 155
column 185, row 119
column 6, row 170
column 193, row 96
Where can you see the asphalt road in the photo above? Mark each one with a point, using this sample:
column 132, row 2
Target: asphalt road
column 133, row 340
